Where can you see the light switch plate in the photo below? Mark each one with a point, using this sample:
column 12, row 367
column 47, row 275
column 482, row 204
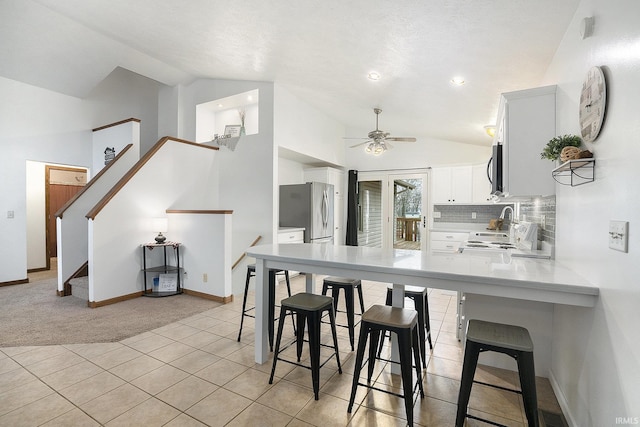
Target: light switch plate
column 437, row 214
column 619, row 235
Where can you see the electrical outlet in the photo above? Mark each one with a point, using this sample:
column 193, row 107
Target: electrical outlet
column 619, row 235
column 205, row 277
column 543, row 221
column 9, row 214
column 473, row 215
column 437, row 214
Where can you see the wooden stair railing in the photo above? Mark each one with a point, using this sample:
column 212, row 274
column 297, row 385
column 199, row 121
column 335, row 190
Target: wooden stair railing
column 245, row 254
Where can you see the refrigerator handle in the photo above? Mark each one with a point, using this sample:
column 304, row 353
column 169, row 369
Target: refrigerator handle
column 324, row 208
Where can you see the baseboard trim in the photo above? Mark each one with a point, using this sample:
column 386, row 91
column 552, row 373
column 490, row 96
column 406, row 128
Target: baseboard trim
column 562, row 400
column 15, row 282
column 96, row 304
column 223, row 300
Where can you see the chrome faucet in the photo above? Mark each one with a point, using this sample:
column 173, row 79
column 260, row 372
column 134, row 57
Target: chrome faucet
column 504, row 211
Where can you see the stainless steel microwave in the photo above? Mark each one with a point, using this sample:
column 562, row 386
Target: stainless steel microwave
column 495, row 171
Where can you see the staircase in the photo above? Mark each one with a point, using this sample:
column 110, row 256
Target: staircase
column 80, row 287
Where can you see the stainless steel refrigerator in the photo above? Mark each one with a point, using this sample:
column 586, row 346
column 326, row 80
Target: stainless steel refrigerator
column 310, row 206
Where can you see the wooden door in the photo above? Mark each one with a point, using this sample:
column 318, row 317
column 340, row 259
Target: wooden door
column 61, row 185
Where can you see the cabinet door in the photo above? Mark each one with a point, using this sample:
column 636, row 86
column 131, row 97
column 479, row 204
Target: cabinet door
column 481, row 186
column 461, row 184
column 441, row 185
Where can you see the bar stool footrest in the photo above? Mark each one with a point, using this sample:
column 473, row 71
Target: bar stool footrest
column 498, row 387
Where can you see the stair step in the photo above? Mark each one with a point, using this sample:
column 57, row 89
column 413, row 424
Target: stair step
column 80, row 287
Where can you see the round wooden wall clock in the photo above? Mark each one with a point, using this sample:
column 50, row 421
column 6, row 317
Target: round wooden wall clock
column 593, row 102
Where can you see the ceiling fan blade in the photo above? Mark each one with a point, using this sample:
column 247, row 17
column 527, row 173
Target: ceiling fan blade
column 361, row 144
column 348, row 137
column 401, row 139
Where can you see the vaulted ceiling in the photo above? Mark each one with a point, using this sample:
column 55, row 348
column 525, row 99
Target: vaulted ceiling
column 320, row 51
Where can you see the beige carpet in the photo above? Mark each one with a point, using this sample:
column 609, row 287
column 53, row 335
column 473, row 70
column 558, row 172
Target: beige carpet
column 32, row 314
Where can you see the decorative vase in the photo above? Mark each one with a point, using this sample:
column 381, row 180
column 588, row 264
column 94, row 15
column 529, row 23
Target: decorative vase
column 242, row 131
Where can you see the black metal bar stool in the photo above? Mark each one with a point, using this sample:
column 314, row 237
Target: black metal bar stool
column 348, row 286
column 514, row 341
column 251, row 272
column 420, row 299
column 404, row 323
column 309, row 307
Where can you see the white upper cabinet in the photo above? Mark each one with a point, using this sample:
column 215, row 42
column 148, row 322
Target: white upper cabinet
column 481, row 185
column 452, row 184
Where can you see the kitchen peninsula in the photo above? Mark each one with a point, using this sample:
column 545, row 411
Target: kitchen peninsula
column 519, row 280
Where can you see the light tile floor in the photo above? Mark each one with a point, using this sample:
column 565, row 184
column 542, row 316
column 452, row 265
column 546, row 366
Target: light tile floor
column 194, row 373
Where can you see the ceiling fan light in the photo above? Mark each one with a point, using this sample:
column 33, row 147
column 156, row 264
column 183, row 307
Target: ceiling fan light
column 490, row 130
column 373, row 76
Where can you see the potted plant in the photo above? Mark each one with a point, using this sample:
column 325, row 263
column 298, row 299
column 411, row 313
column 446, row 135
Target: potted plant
column 555, row 145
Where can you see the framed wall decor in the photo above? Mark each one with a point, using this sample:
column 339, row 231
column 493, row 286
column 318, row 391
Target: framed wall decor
column 232, row 130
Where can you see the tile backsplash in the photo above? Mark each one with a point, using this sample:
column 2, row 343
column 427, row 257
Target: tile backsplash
column 534, row 210
column 464, row 213
column 531, row 210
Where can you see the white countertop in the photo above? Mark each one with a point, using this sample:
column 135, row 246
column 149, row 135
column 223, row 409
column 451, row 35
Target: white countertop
column 459, row 227
column 490, row 274
column 289, row 229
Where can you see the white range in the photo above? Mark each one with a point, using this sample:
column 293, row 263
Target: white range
column 521, row 242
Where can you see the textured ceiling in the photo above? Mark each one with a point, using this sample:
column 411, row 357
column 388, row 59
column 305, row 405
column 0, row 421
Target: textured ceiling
column 321, row 51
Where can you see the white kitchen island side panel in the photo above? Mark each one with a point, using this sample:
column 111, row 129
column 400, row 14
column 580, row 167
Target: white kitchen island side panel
column 536, row 317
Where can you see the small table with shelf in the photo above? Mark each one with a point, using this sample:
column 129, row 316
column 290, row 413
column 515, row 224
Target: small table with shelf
column 164, row 268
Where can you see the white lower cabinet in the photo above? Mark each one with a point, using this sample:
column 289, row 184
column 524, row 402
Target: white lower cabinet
column 285, row 236
column 442, row 241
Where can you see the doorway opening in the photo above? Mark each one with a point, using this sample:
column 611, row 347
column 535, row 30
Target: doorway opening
column 392, row 210
column 61, row 185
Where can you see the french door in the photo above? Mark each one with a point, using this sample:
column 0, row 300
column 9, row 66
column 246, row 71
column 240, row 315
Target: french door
column 392, row 209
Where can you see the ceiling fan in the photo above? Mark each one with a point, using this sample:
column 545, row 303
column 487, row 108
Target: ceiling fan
column 378, row 140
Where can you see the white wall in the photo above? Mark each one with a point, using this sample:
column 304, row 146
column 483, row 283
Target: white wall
column 36, row 215
column 171, row 179
column 290, row 172
column 596, row 358
column 41, row 126
column 116, row 137
column 206, row 250
column 73, row 227
column 124, row 94
column 302, row 128
column 243, row 179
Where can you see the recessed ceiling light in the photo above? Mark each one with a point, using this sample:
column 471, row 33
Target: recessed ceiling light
column 219, row 105
column 458, row 81
column 250, row 98
column 373, row 76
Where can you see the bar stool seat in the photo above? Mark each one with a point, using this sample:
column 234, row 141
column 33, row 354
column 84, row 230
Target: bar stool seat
column 251, row 272
column 309, row 307
column 403, row 322
column 348, row 286
column 513, row 341
column 420, row 298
